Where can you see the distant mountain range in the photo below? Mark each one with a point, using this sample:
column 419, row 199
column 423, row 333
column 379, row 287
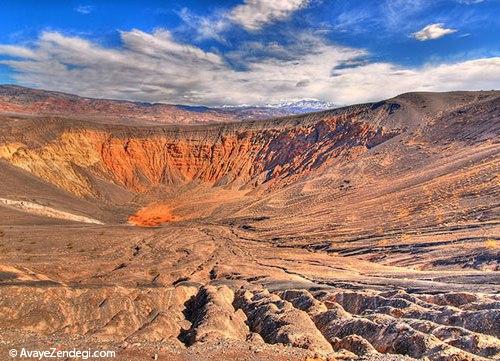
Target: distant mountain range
column 300, row 105
column 280, row 109
column 22, row 100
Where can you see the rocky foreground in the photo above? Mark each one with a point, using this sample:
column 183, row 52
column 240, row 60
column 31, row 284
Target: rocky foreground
column 252, row 322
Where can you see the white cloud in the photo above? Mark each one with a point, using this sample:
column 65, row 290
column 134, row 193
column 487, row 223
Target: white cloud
column 155, row 67
column 254, row 14
column 470, row 2
column 16, row 51
column 384, row 80
column 84, row 9
column 432, row 31
column 399, row 15
column 206, row 27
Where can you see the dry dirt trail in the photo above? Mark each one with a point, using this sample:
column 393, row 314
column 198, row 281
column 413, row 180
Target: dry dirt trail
column 369, row 232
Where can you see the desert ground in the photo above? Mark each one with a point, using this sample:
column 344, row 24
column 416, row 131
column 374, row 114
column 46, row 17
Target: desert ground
column 369, row 232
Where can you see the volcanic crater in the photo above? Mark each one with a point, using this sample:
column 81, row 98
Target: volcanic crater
column 366, row 232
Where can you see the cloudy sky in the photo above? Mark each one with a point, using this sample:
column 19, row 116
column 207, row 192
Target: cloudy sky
column 250, row 51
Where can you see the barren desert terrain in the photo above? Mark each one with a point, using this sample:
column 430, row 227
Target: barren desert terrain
column 367, row 232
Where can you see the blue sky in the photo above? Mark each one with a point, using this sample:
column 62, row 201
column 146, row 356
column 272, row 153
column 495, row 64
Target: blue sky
column 250, row 51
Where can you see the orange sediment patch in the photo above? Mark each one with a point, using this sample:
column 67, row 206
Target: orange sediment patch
column 492, row 244
column 152, row 216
